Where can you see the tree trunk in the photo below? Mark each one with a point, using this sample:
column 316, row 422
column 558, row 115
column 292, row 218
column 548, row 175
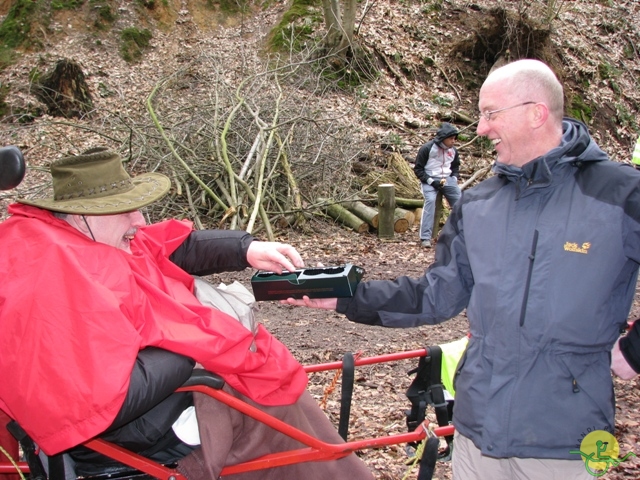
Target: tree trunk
column 340, row 21
column 344, row 216
column 348, row 25
column 386, row 208
column 332, row 19
column 369, row 214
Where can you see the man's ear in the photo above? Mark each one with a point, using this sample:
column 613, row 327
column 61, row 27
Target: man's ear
column 540, row 114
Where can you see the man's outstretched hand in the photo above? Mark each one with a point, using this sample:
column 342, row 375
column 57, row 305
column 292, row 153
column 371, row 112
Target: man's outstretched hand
column 323, row 303
column 619, row 364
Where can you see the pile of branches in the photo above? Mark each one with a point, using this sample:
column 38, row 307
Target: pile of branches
column 247, row 151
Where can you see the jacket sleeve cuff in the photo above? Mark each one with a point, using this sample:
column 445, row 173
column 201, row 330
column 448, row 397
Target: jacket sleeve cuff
column 630, row 346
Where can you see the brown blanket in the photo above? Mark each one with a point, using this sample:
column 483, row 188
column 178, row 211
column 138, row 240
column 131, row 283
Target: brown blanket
column 228, row 437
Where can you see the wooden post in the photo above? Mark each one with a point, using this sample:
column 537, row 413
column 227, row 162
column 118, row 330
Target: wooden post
column 436, row 218
column 386, row 210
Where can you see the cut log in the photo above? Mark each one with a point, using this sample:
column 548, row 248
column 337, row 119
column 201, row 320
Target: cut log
column 400, row 224
column 386, row 210
column 367, row 213
column 406, row 214
column 345, row 217
column 409, row 203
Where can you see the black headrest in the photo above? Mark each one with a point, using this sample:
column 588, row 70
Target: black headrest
column 12, row 167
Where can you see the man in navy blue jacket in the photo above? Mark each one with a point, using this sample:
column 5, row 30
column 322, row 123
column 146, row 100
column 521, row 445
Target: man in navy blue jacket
column 544, row 257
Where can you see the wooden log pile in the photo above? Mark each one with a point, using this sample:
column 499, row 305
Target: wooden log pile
column 361, row 218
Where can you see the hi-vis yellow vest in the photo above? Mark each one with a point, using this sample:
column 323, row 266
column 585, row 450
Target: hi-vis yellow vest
column 451, row 353
column 636, row 154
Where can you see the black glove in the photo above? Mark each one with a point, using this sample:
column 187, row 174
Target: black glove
column 438, row 183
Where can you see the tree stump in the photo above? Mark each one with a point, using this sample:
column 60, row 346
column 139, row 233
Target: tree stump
column 65, row 91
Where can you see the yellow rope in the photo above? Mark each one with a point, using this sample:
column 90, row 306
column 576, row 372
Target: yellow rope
column 330, row 388
column 416, row 458
column 6, row 454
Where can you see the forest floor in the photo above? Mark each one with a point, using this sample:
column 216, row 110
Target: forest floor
column 379, row 401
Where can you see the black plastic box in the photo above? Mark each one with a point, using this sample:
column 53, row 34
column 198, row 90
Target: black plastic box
column 315, row 282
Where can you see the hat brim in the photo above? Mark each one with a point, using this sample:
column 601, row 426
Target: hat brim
column 147, row 188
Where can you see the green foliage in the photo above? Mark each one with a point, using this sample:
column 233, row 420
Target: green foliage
column 625, row 118
column 442, row 101
column 16, row 26
column 105, row 15
column 7, row 57
column 394, row 140
column 365, row 112
column 433, row 6
column 296, row 26
column 606, row 70
column 362, row 93
column 629, row 51
column 579, row 109
column 66, row 4
column 232, row 6
column 4, row 108
column 133, row 42
column 34, row 75
column 104, row 91
column 345, row 78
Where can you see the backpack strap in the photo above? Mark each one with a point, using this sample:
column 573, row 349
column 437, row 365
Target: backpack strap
column 435, row 391
column 426, row 389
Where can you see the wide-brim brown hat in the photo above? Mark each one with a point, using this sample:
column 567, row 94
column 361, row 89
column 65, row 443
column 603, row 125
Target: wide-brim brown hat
column 96, row 183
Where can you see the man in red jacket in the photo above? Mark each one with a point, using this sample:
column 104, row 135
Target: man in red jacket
column 99, row 324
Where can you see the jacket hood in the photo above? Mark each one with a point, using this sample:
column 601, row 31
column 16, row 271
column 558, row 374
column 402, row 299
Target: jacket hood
column 576, row 146
column 446, row 130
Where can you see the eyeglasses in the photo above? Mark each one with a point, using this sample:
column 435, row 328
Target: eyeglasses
column 487, row 115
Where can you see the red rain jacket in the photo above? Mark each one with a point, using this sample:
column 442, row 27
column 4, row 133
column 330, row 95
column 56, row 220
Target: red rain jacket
column 74, row 314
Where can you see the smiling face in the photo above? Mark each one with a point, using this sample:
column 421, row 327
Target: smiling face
column 115, row 230
column 509, row 130
column 526, row 99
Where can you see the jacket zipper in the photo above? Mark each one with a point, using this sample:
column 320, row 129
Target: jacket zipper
column 532, row 258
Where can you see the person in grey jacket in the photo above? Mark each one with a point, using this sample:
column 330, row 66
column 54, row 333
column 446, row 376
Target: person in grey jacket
column 438, row 168
column 544, row 256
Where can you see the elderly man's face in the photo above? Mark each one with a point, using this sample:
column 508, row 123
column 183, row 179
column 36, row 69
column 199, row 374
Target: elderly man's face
column 115, row 230
column 508, row 128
